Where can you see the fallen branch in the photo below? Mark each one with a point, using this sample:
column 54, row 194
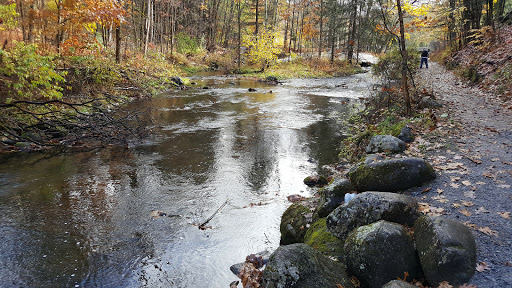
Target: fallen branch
column 202, row 226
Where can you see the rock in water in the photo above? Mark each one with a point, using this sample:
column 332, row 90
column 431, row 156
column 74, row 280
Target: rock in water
column 177, row 80
column 370, row 207
column 392, row 175
column 381, row 252
column 447, row 250
column 300, row 266
column 385, row 143
column 294, row 224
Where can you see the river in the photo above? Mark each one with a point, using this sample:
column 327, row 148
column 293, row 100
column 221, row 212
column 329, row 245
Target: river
column 86, row 219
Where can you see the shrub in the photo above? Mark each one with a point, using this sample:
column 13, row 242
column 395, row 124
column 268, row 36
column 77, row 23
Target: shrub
column 30, row 75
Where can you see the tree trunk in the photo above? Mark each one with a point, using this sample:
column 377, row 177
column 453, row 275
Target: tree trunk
column 352, row 32
column 257, row 18
column 451, row 25
column 118, row 44
column 321, row 28
column 403, row 52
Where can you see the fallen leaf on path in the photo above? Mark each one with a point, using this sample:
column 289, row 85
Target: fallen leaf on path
column 339, row 285
column 482, row 266
column 495, row 159
column 508, row 264
column 470, row 194
column 439, row 191
column 482, row 210
column 466, row 183
column 506, row 163
column 426, row 190
column 440, row 198
column 444, row 284
column 450, row 166
column 467, row 203
column 454, row 185
column 481, row 183
column 488, row 175
column 486, row 230
column 470, row 225
column 456, row 205
column 474, row 160
column 454, row 179
column 465, row 212
column 457, row 157
column 505, row 186
column 505, row 215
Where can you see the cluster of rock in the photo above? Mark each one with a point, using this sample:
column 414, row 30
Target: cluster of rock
column 376, row 237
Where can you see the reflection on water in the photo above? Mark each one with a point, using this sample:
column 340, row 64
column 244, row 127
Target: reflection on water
column 84, row 219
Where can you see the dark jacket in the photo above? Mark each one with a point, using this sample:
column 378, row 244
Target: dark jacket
column 424, row 53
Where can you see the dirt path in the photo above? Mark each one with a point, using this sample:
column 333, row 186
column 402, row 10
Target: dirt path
column 471, row 150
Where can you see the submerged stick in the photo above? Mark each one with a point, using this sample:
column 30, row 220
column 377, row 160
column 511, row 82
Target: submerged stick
column 213, row 215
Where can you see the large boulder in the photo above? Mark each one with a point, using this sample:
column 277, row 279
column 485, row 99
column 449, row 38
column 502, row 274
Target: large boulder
column 381, row 252
column 322, row 240
column 370, row 207
column 300, row 266
column 332, row 196
column 447, row 250
column 385, row 143
column 294, row 224
column 392, row 175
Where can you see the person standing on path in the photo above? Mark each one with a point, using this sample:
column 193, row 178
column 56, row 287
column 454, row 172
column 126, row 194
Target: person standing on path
column 424, row 59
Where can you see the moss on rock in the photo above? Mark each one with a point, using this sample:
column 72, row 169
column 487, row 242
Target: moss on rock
column 294, row 224
column 322, row 240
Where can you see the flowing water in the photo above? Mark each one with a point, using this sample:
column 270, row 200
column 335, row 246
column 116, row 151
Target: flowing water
column 86, row 219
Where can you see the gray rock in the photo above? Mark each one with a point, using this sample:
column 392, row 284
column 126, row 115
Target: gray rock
column 332, row 195
column 406, row 135
column 392, row 175
column 300, row 266
column 370, row 207
column 428, row 102
column 399, row 284
column 177, row 80
column 447, row 250
column 381, row 252
column 294, row 224
column 385, row 143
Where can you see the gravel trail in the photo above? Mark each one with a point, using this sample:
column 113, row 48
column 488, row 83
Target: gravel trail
column 471, row 152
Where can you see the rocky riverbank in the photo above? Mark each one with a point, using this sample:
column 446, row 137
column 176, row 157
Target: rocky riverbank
column 381, row 236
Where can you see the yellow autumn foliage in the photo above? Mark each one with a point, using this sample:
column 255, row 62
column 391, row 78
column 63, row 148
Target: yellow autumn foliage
column 263, row 48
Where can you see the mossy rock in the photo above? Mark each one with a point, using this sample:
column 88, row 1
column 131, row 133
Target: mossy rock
column 322, row 240
column 370, row 207
column 300, row 266
column 447, row 250
column 392, row 175
column 294, row 224
column 332, row 196
column 381, row 252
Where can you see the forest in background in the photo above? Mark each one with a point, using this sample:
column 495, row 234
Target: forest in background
column 62, row 61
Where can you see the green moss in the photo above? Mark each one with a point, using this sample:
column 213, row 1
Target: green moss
column 293, row 224
column 322, row 240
